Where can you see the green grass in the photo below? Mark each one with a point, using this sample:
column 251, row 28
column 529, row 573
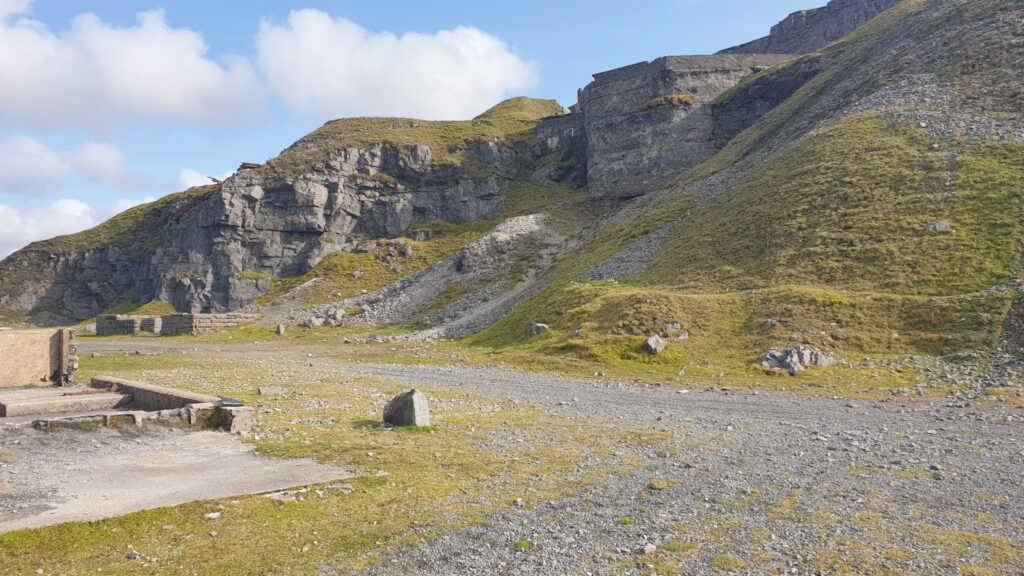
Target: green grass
column 414, row 484
column 670, row 101
column 847, row 263
column 151, row 308
column 511, row 119
column 850, row 207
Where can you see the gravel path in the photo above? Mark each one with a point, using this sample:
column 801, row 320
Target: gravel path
column 747, row 483
column 774, row 483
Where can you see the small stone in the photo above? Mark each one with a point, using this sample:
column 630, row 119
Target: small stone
column 647, row 549
column 271, row 391
column 213, row 533
column 942, row 227
column 168, row 527
column 536, row 329
column 133, row 555
column 212, row 515
column 280, row 329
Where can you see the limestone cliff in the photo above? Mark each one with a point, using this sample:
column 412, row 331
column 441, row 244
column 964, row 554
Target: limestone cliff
column 214, row 248
column 811, row 30
column 640, row 124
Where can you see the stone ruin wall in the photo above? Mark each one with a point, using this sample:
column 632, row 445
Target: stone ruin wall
column 175, row 324
column 168, row 325
column 37, row 357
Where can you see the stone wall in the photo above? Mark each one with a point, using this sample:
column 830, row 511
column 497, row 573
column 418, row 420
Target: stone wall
column 127, row 324
column 175, row 324
column 37, row 357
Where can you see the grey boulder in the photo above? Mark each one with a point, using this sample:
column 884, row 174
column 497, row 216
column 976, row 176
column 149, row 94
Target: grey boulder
column 796, row 359
column 655, row 345
column 408, row 409
column 536, row 329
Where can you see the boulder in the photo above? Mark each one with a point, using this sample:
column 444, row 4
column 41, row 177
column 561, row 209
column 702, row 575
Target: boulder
column 408, row 409
column 655, row 345
column 795, row 359
column 536, row 329
column 280, row 329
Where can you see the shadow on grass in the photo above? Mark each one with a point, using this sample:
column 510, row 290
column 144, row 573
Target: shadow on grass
column 378, row 425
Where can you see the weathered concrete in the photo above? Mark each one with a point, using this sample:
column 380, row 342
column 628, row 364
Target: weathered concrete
column 127, row 324
column 37, row 357
column 168, row 325
column 151, row 397
column 195, row 324
column 58, row 401
column 56, row 478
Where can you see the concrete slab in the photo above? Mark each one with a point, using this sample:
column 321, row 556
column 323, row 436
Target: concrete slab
column 61, row 404
column 56, row 478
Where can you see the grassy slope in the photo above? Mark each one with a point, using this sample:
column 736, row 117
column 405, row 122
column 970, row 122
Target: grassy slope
column 830, row 236
column 511, row 119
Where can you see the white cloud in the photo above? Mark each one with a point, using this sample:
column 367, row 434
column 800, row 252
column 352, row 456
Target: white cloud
column 190, row 177
column 94, row 74
column 19, row 227
column 12, row 7
column 29, row 167
column 333, row 67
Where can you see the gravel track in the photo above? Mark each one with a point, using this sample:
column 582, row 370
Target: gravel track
column 753, row 483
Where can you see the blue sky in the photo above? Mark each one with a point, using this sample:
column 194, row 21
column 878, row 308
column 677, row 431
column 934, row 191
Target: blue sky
column 110, row 103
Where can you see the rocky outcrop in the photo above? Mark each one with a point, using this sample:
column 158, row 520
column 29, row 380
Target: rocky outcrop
column 643, row 123
column 214, row 249
column 811, row 30
column 795, row 359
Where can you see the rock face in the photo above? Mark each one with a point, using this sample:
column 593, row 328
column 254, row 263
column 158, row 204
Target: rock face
column 214, row 249
column 795, row 359
column 408, row 409
column 811, row 30
column 643, row 123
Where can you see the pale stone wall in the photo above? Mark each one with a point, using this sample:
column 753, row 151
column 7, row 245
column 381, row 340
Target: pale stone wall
column 175, row 324
column 36, row 357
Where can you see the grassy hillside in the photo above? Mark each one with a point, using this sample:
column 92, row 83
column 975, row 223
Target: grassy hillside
column 829, row 236
column 514, row 118
column 131, row 227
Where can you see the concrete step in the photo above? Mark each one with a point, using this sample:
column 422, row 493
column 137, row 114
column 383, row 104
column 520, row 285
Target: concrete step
column 29, row 406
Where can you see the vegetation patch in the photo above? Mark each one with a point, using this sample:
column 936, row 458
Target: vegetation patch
column 512, row 119
column 670, row 101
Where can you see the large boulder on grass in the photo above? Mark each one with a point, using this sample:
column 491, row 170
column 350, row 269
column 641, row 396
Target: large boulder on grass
column 655, row 345
column 536, row 329
column 408, row 409
column 795, row 359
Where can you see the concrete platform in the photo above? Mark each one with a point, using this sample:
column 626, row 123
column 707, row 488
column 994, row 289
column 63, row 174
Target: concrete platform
column 45, row 401
column 49, row 479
